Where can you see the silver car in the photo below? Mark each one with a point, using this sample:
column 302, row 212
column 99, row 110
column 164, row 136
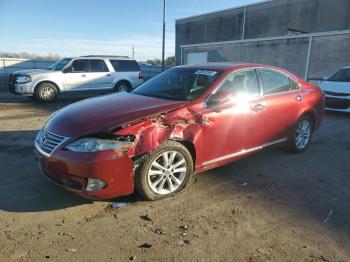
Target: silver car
column 86, row 74
column 337, row 91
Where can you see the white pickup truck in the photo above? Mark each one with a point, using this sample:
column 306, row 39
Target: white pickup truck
column 87, row 74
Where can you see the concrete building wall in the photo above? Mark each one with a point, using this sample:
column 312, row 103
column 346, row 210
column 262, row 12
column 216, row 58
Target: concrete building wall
column 328, row 53
column 272, row 19
column 209, row 28
column 288, row 53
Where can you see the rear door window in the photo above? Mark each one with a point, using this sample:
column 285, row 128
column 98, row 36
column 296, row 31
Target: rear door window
column 80, row 66
column 125, row 65
column 275, row 82
column 98, row 65
column 242, row 83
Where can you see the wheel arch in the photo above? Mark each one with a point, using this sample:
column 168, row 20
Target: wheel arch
column 190, row 147
column 122, row 81
column 312, row 115
column 47, row 81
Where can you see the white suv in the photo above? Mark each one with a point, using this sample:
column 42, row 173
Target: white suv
column 75, row 75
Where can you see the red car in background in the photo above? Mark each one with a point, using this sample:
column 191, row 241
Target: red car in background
column 186, row 120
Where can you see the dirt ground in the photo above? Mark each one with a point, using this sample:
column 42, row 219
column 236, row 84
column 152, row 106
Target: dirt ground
column 271, row 206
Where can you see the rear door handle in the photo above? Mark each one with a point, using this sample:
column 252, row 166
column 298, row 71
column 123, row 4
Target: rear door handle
column 108, row 74
column 83, row 75
column 259, row 107
column 299, row 98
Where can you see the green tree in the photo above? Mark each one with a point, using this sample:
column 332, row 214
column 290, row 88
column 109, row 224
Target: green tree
column 170, row 61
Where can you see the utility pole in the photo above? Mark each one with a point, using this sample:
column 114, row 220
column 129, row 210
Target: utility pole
column 163, row 47
column 133, row 52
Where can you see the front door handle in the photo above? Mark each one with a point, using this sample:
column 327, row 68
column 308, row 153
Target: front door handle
column 108, row 74
column 83, row 75
column 259, row 107
column 299, row 98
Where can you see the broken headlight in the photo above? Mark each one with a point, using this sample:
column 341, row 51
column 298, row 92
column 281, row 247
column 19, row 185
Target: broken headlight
column 90, row 144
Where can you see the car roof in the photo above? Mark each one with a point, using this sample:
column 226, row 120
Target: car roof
column 104, row 57
column 228, row 67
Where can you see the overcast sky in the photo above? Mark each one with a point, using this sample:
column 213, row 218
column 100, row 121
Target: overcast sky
column 81, row 27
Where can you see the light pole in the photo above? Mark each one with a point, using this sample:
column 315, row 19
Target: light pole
column 163, row 46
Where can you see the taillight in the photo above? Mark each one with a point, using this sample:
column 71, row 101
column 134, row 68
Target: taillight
column 141, row 76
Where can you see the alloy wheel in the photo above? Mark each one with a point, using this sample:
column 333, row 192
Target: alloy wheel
column 167, row 172
column 303, row 133
column 47, row 93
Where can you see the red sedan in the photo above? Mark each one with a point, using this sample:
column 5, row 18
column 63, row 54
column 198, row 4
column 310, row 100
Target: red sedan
column 186, row 120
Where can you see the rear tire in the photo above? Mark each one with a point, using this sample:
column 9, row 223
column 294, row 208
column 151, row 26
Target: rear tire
column 165, row 172
column 300, row 139
column 122, row 86
column 46, row 92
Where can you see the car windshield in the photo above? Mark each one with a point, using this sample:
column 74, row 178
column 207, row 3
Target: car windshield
column 60, row 64
column 343, row 75
column 178, row 84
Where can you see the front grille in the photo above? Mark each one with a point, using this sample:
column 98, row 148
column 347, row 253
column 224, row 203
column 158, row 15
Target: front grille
column 336, row 103
column 336, row 94
column 11, row 83
column 48, row 141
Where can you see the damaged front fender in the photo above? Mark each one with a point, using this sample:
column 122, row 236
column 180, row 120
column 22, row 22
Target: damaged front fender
column 182, row 125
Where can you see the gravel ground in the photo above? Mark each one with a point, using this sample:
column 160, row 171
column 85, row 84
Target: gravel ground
column 271, row 206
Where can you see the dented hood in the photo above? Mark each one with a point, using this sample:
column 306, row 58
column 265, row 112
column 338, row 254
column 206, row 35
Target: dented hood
column 106, row 112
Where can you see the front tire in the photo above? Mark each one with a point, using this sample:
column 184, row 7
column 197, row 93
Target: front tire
column 167, row 171
column 46, row 92
column 301, row 136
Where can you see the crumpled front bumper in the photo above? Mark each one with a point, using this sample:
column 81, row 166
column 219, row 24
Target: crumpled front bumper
column 71, row 171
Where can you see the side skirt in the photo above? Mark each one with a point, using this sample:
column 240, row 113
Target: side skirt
column 243, row 151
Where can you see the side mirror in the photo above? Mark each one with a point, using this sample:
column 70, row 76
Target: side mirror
column 219, row 98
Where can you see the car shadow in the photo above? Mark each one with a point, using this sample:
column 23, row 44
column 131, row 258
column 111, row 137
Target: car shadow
column 312, row 186
column 8, row 98
column 23, row 188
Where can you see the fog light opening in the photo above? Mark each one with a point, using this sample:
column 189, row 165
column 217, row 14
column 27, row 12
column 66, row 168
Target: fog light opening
column 94, row 185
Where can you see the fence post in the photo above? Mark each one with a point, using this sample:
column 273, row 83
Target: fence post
column 308, row 58
column 244, row 18
column 181, row 62
column 3, row 63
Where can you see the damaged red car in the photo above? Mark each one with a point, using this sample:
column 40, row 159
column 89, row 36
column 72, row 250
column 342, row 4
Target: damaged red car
column 186, row 120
